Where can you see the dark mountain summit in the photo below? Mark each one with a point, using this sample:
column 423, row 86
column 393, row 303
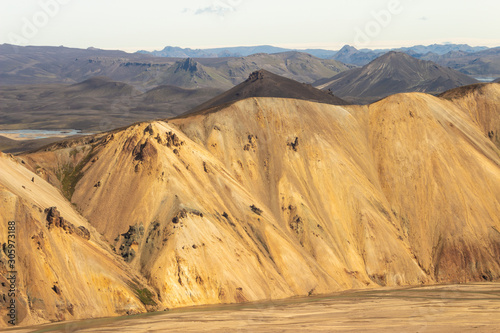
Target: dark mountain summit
column 266, row 84
column 189, row 65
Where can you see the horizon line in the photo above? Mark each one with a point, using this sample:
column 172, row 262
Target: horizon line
column 283, row 46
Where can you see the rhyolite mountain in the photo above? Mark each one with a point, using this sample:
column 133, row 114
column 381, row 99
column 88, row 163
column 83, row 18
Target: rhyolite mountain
column 65, row 270
column 392, row 73
column 260, row 199
column 266, row 84
column 471, row 99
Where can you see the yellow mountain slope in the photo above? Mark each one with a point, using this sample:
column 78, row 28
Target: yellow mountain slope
column 267, row 198
column 63, row 268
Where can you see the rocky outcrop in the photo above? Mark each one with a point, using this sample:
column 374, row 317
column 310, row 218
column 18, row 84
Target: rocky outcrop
column 252, row 143
column 129, row 242
column 294, row 145
column 55, row 220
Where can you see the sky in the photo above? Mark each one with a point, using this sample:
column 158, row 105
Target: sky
column 328, row 24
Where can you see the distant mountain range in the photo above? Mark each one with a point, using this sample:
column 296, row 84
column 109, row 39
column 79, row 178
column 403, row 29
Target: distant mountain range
column 43, row 65
column 391, row 73
column 478, row 61
column 243, row 51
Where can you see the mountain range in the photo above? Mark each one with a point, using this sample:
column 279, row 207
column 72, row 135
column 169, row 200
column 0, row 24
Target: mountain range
column 477, row 61
column 259, row 199
column 47, row 65
column 243, row 51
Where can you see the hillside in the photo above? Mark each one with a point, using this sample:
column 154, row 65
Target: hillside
column 481, row 63
column 297, row 66
column 393, row 73
column 101, row 87
column 65, row 271
column 265, row 84
column 192, row 74
column 268, row 198
column 481, row 102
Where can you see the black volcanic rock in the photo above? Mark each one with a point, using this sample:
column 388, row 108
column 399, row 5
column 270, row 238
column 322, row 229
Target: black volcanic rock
column 188, row 65
column 392, row 73
column 266, row 84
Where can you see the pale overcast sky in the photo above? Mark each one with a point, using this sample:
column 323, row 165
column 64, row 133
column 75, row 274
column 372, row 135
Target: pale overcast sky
column 152, row 24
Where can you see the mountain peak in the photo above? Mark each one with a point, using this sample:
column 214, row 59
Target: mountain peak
column 347, row 49
column 258, row 75
column 395, row 72
column 188, row 65
column 262, row 83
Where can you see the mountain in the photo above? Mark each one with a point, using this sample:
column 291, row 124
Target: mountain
column 265, row 84
column 483, row 111
column 267, row 198
column 65, row 271
column 497, row 80
column 191, row 74
column 350, row 55
column 392, row 73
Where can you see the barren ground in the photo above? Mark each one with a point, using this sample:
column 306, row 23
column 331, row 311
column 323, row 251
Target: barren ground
column 449, row 308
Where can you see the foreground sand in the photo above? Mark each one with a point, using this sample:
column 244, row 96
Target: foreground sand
column 451, row 308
